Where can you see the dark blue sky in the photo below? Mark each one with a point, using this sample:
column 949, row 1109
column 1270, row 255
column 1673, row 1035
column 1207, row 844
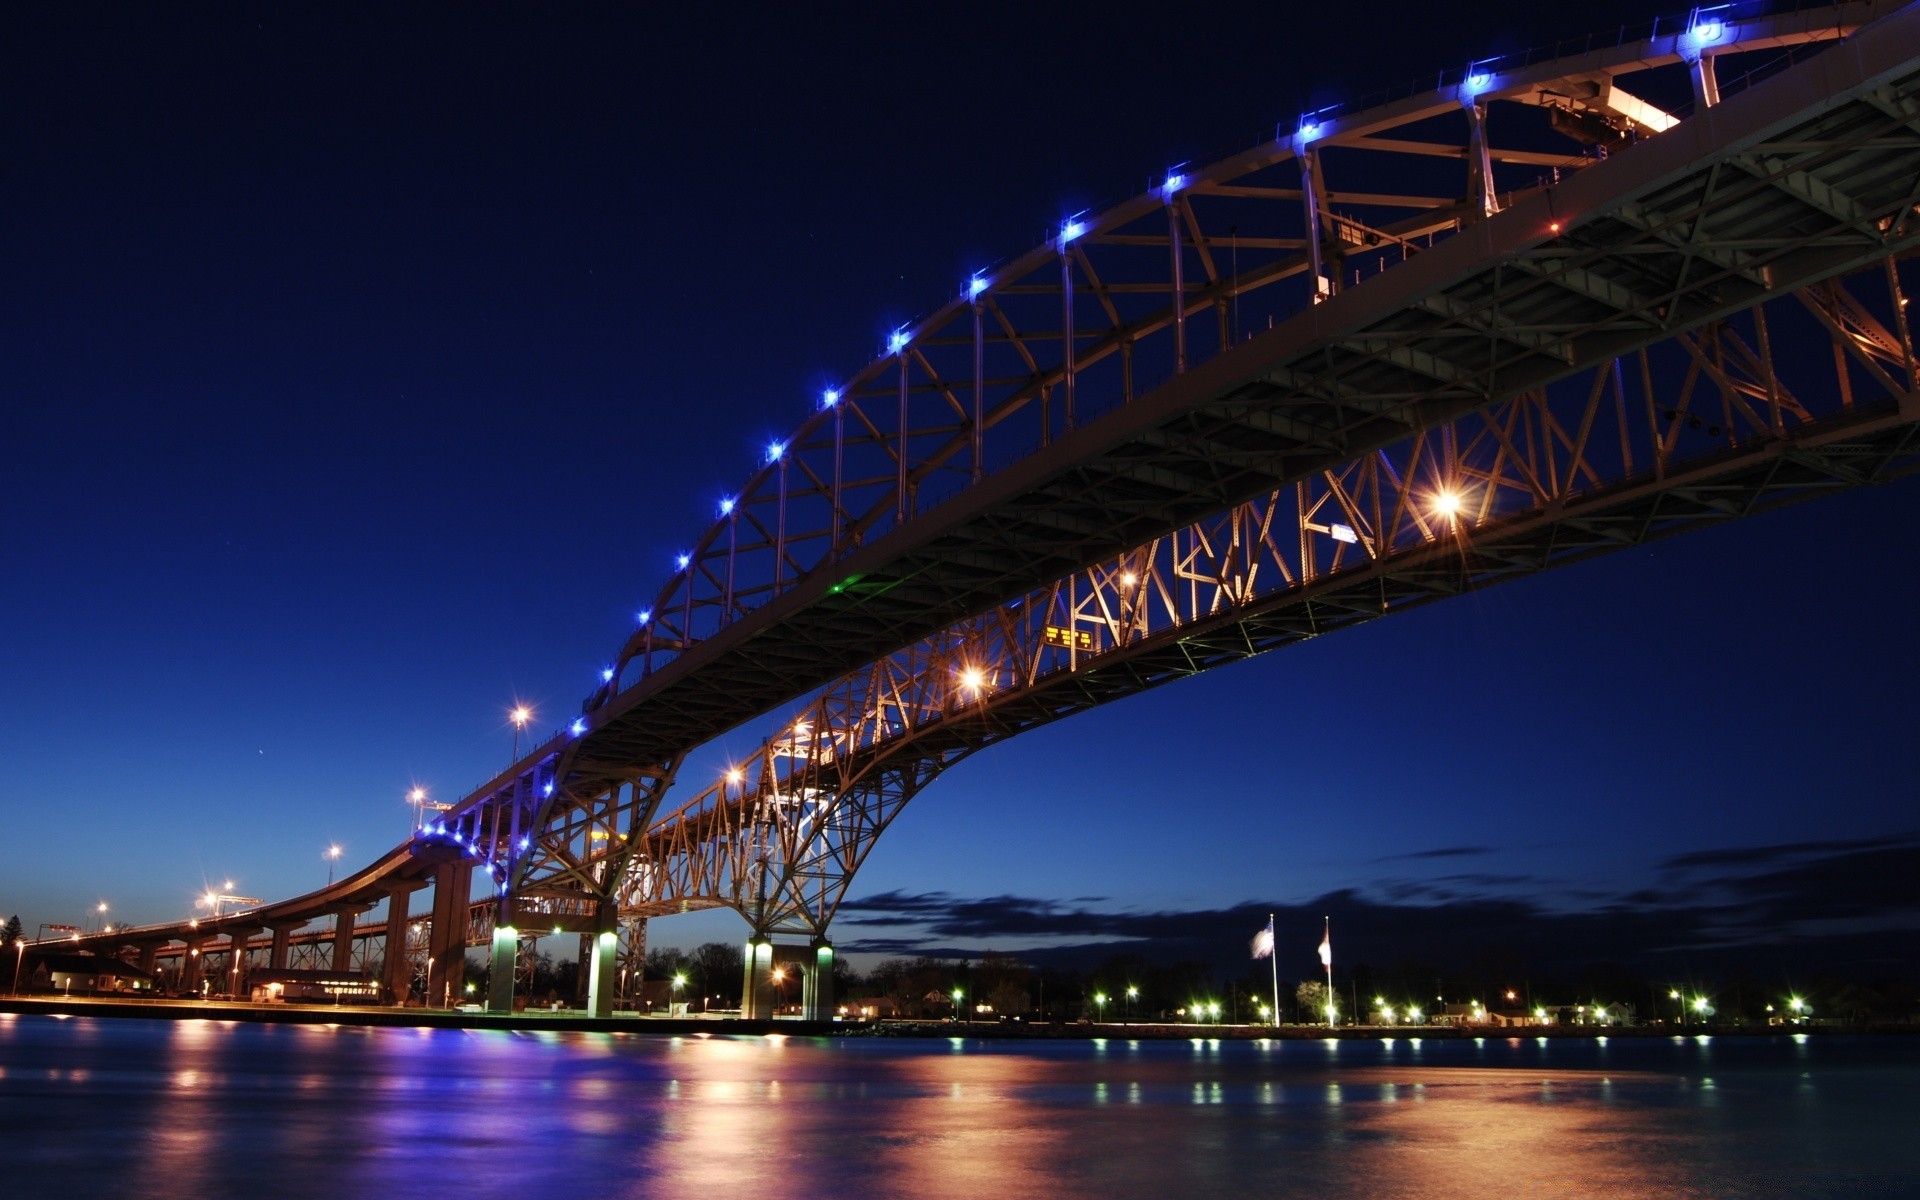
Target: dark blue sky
column 361, row 373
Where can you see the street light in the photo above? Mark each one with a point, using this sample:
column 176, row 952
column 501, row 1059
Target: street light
column 679, row 981
column 1127, row 1015
column 1099, row 1006
column 957, row 993
column 332, row 856
column 520, row 715
column 101, row 909
column 20, row 956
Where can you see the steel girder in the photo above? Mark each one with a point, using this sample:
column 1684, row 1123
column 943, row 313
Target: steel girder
column 1699, row 431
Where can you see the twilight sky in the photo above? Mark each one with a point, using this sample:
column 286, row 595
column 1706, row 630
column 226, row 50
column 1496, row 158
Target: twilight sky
column 360, row 374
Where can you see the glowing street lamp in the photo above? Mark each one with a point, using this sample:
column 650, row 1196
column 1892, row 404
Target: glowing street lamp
column 101, row 909
column 1127, row 1015
column 1099, row 1006
column 19, row 957
column 520, row 715
column 957, row 993
column 679, row 983
column 332, row 856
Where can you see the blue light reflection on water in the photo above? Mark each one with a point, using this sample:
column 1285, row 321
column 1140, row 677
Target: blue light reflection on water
column 202, row 1108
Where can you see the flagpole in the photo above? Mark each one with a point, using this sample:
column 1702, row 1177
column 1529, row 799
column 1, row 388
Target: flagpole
column 1326, row 942
column 1275, row 964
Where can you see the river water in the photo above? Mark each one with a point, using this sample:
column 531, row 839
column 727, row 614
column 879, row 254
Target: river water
column 116, row 1107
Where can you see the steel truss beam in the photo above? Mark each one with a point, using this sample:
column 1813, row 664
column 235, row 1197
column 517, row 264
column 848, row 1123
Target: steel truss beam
column 1699, row 431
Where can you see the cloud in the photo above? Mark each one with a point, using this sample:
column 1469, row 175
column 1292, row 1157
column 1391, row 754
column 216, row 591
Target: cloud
column 1816, row 905
column 1440, row 852
column 1734, row 856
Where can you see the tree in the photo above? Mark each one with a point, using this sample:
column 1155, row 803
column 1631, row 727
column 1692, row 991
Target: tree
column 10, row 932
column 1312, row 996
column 717, row 967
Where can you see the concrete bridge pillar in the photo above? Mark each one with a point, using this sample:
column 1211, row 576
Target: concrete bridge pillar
column 603, row 974
column 756, row 983
column 447, row 940
column 235, row 983
column 818, row 1002
column 282, row 943
column 192, row 964
column 503, row 958
column 398, row 971
column 149, row 956
column 343, row 916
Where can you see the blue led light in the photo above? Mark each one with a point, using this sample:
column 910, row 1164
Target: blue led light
column 726, row 506
column 1478, row 80
column 829, row 398
column 1175, row 181
column 524, row 843
column 682, row 561
column 606, row 673
column 645, row 614
column 775, row 450
column 975, row 286
column 1709, row 26
column 547, row 788
column 1309, row 129
column 578, row 727
column 1072, row 229
column 897, row 340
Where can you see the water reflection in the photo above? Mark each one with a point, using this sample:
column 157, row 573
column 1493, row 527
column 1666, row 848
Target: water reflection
column 205, row 1109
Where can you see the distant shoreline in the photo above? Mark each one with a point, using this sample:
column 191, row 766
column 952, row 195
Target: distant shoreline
column 368, row 1016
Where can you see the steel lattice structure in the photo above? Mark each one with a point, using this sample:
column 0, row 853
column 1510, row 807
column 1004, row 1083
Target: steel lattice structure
column 1551, row 476
column 1215, row 418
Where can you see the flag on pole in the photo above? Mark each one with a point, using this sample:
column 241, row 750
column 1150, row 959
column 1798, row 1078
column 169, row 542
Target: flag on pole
column 1263, row 941
column 1326, row 948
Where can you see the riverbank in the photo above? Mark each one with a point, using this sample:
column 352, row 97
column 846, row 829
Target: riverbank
column 638, row 1023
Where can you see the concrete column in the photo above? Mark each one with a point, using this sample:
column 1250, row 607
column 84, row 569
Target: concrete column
column 603, row 975
column 191, row 965
column 504, row 955
column 399, row 972
column 818, row 1004
column 756, row 983
column 447, row 943
column 235, row 983
column 282, row 944
column 343, row 917
column 149, row 956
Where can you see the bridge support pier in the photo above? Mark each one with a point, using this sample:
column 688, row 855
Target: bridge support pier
column 236, row 981
column 756, row 984
column 818, row 1002
column 343, row 916
column 502, row 958
column 190, row 966
column 603, row 974
column 282, row 944
column 398, row 970
column 447, row 941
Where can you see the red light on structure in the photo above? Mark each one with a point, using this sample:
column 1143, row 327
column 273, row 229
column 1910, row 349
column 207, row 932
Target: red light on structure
column 1553, row 227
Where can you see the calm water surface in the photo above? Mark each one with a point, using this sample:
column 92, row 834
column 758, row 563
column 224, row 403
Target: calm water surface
column 212, row 1109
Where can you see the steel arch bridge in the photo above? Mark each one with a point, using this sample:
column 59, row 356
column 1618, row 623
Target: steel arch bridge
column 1550, row 306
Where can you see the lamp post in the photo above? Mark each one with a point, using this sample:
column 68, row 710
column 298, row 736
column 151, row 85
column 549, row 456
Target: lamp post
column 1673, row 994
column 332, row 856
column 100, row 911
column 679, row 981
column 20, row 957
column 957, row 993
column 1126, row 1014
column 520, row 715
column 1099, row 1007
